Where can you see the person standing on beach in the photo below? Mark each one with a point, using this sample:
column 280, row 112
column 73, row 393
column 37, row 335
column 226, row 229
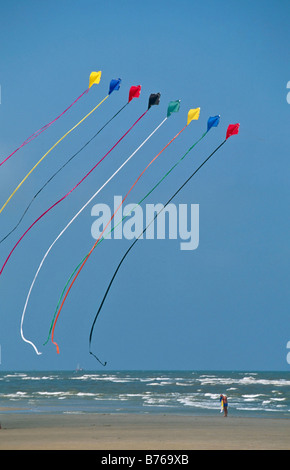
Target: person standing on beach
column 224, row 400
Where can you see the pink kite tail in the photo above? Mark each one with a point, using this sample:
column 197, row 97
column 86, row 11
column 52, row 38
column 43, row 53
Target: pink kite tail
column 42, row 129
column 66, row 195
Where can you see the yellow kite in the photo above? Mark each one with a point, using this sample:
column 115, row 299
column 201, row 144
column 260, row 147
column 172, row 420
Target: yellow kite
column 95, row 78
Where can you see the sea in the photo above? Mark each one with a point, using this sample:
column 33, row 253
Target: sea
column 195, row 393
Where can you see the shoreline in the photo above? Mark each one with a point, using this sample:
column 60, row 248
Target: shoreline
column 102, row 431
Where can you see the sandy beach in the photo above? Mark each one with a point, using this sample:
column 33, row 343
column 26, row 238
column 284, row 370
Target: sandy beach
column 141, row 432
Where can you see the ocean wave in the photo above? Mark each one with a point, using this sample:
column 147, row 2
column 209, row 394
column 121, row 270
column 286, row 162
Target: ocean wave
column 53, row 394
column 101, row 378
column 243, row 381
column 14, row 395
column 16, row 374
column 203, row 404
column 254, row 396
column 158, row 384
column 44, row 377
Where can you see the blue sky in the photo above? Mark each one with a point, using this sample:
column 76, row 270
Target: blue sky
column 224, row 305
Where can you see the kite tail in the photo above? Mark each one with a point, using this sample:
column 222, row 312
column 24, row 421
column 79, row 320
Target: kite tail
column 79, row 212
column 42, row 129
column 106, row 293
column 60, row 299
column 37, row 133
column 23, row 314
column 102, row 363
column 42, row 158
column 66, row 195
column 56, row 173
column 27, row 341
column 94, row 246
column 126, row 215
column 18, row 223
column 135, row 241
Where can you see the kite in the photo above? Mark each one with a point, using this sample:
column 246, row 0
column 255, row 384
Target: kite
column 42, row 158
column 66, row 195
column 154, row 99
column 95, row 78
column 135, row 241
column 96, row 243
column 212, row 122
column 114, row 85
column 172, row 107
column 134, row 92
column 193, row 114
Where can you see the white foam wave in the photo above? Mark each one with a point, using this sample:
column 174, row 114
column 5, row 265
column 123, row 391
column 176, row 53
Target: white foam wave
column 248, row 380
column 53, row 394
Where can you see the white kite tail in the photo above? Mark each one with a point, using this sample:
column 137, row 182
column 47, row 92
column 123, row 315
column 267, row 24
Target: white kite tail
column 26, row 340
column 67, row 226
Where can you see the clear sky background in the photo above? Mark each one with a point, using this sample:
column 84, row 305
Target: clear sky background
column 222, row 306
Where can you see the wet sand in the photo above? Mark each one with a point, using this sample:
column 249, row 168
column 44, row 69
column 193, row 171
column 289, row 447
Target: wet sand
column 140, row 432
